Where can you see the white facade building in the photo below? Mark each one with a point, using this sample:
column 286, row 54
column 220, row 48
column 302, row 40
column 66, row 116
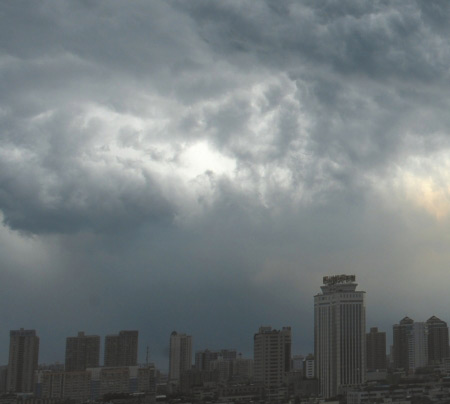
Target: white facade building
column 339, row 335
column 309, row 367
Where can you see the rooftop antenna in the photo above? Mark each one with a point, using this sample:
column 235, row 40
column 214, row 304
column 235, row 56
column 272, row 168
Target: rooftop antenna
column 147, row 357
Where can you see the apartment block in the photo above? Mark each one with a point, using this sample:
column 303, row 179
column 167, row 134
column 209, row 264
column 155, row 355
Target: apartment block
column 82, row 352
column 121, row 349
column 23, row 360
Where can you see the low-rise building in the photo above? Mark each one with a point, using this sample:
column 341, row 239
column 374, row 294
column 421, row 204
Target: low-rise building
column 94, row 383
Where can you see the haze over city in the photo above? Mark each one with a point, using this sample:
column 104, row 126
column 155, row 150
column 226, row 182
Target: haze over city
column 199, row 166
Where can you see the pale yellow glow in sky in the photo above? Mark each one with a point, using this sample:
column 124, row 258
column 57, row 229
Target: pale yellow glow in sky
column 430, row 195
column 427, row 184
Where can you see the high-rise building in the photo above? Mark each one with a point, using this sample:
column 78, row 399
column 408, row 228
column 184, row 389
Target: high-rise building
column 376, row 349
column 3, row 379
column 121, row 349
column 23, row 360
column 297, row 363
column 272, row 358
column 82, row 351
column 400, row 347
column 437, row 340
column 339, row 335
column 224, row 363
column 228, row 354
column 309, row 367
column 223, row 368
column 417, row 346
column 410, row 345
column 242, row 369
column 204, row 358
column 180, row 355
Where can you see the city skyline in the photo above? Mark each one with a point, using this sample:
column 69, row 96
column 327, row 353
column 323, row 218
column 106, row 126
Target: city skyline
column 216, row 347
column 349, row 361
column 200, row 165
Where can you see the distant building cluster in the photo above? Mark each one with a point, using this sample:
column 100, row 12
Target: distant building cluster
column 349, row 364
column 81, row 378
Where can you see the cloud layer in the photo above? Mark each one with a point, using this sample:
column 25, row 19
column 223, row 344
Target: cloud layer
column 200, row 165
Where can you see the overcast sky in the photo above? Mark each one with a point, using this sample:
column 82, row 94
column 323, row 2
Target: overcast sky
column 199, row 165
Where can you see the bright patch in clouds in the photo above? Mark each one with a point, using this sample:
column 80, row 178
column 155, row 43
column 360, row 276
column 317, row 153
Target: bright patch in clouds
column 135, row 138
column 200, row 158
column 425, row 182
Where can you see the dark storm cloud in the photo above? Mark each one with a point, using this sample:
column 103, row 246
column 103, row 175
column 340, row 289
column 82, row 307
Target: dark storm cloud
column 54, row 179
column 208, row 161
column 365, row 74
column 377, row 39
